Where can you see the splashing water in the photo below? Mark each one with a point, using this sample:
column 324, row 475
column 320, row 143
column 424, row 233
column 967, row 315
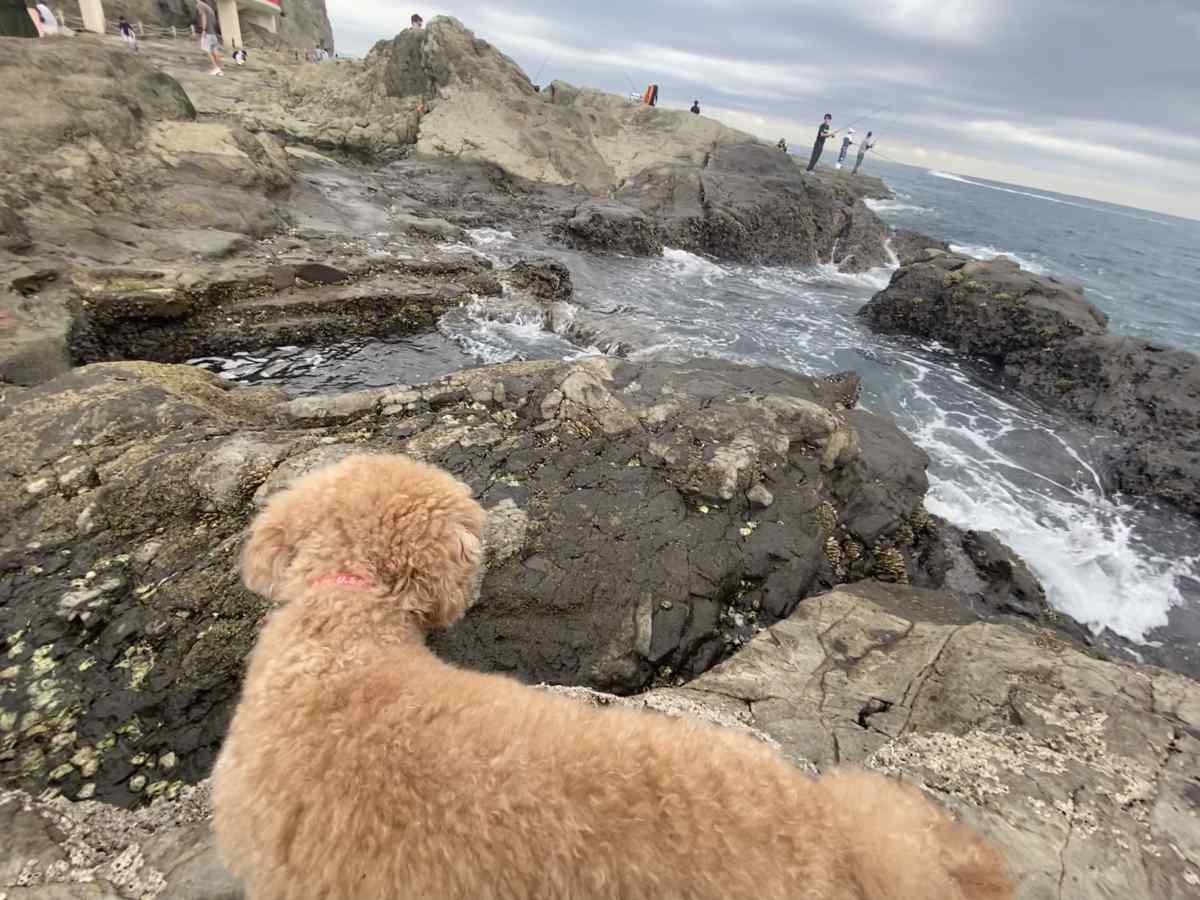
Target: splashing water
column 997, row 463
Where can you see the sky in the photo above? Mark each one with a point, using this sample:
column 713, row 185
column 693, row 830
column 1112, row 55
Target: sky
column 1096, row 98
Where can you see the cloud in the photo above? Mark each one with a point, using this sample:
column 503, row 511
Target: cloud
column 1091, row 96
column 947, row 21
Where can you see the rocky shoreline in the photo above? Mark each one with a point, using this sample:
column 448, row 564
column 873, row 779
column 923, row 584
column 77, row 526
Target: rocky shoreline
column 1048, row 341
column 700, row 538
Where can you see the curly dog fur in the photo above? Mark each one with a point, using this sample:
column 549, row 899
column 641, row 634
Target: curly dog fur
column 361, row 767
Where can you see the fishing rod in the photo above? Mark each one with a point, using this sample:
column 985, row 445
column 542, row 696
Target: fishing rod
column 854, row 122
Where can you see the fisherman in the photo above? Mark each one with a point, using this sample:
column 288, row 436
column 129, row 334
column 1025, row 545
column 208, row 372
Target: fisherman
column 127, row 33
column 846, row 142
column 866, row 145
column 696, row 107
column 782, row 145
column 823, row 134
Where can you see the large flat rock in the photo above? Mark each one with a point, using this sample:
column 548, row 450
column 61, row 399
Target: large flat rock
column 1082, row 772
column 647, row 520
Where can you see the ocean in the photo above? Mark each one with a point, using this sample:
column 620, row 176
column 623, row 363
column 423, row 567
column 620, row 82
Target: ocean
column 998, row 462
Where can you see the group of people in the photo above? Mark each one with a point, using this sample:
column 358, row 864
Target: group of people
column 825, row 131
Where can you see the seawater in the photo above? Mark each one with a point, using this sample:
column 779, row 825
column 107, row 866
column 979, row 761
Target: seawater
column 998, row 461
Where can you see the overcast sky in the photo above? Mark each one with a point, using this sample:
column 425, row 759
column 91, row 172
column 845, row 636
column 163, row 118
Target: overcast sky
column 1098, row 98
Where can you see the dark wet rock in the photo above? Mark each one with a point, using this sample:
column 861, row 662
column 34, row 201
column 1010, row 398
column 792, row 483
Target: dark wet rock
column 912, row 246
column 630, row 538
column 545, row 279
column 989, row 309
column 1051, row 343
column 174, row 316
column 988, row 578
column 750, row 203
column 609, row 227
column 1146, row 392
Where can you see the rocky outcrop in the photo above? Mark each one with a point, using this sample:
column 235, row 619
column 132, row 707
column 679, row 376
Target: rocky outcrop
column 177, row 315
column 605, row 226
column 1051, row 343
column 125, row 488
column 108, row 168
column 748, row 202
column 910, row 246
column 1081, row 771
column 610, row 176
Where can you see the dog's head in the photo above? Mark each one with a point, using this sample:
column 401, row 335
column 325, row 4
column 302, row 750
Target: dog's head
column 387, row 524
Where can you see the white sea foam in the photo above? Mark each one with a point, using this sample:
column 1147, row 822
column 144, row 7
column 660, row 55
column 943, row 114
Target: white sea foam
column 883, row 207
column 1082, row 545
column 948, row 176
column 985, row 251
column 488, row 236
column 826, row 274
column 683, row 264
column 494, row 331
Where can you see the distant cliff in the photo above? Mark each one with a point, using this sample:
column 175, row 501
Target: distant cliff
column 305, row 23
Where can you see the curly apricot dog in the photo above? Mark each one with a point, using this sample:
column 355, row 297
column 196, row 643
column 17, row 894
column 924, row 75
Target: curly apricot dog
column 361, row 767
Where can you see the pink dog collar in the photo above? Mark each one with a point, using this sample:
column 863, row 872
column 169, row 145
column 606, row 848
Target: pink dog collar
column 345, row 579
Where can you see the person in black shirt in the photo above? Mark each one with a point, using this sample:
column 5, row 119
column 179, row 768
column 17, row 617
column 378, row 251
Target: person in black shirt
column 696, row 107
column 823, row 134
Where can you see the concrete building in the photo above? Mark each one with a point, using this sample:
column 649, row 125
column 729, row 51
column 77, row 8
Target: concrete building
column 264, row 13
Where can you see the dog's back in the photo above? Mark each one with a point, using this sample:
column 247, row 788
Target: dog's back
column 899, row 846
column 360, row 767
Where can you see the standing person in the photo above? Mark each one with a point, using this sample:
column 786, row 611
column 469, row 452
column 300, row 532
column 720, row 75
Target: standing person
column 206, row 24
column 126, row 32
column 866, row 145
column 823, row 134
column 696, row 107
column 846, row 142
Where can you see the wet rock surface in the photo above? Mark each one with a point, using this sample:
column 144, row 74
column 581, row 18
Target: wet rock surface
column 1047, row 340
column 646, row 520
column 750, row 203
column 278, row 300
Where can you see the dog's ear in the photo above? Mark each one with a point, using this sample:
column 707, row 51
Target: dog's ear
column 266, row 556
column 443, row 599
column 470, row 547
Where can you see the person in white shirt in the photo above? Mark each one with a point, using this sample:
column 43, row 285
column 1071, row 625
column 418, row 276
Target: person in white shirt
column 846, row 142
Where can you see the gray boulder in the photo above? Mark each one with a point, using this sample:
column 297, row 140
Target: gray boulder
column 748, row 202
column 1049, row 341
column 608, row 226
